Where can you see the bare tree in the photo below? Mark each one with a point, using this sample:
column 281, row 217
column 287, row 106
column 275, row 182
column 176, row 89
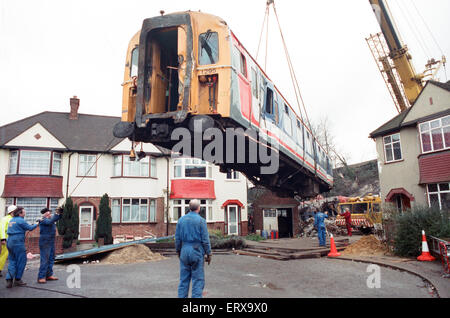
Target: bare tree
column 324, row 134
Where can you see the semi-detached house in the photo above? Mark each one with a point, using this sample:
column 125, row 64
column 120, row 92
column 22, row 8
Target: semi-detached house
column 49, row 156
column 414, row 151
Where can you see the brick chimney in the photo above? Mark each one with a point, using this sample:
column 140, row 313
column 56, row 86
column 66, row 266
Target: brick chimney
column 74, row 105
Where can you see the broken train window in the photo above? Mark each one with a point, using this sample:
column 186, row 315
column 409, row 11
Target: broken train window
column 208, row 48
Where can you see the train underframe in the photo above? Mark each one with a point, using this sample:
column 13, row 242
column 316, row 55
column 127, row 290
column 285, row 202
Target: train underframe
column 289, row 180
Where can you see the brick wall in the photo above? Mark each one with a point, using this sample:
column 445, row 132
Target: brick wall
column 32, row 243
column 269, row 199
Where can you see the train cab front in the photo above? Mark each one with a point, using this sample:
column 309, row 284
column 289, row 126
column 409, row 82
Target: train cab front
column 157, row 79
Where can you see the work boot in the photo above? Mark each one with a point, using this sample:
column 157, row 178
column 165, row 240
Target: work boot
column 19, row 282
column 9, row 283
column 41, row 281
column 52, row 278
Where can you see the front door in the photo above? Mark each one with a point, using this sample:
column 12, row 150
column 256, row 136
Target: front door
column 233, row 220
column 86, row 220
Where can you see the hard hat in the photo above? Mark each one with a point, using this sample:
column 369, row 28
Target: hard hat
column 11, row 208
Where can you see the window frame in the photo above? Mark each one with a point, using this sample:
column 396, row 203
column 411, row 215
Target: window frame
column 130, row 221
column 234, row 175
column 392, row 145
column 150, row 161
column 430, row 135
column 93, row 166
column 184, row 205
column 438, row 192
column 31, row 217
column 182, row 162
column 200, row 48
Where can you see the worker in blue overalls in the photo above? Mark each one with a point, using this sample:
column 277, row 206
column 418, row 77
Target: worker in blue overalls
column 17, row 257
column 47, row 228
column 192, row 244
column 319, row 223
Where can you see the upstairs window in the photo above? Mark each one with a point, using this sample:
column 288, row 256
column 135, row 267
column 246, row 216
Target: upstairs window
column 191, row 168
column 87, row 166
column 35, row 162
column 435, row 134
column 208, row 48
column 392, row 148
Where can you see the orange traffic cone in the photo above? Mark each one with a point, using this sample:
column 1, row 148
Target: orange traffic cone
column 333, row 251
column 426, row 256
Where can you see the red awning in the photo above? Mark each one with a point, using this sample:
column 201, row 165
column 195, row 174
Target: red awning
column 393, row 192
column 17, row 186
column 192, row 189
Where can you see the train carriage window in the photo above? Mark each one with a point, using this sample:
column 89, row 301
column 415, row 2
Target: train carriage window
column 254, row 83
column 243, row 68
column 208, row 48
column 269, row 101
column 287, row 121
column 134, row 62
column 277, row 120
column 299, row 133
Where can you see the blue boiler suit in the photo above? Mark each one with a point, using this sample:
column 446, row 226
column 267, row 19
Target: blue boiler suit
column 319, row 222
column 47, row 228
column 16, row 247
column 192, row 243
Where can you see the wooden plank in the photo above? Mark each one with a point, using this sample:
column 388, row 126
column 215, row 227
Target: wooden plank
column 105, row 248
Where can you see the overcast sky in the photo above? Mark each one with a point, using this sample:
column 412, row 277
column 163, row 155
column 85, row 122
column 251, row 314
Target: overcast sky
column 52, row 50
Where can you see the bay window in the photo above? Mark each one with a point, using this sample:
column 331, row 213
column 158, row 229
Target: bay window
column 191, row 168
column 435, row 134
column 180, row 207
column 439, row 195
column 33, row 206
column 35, row 162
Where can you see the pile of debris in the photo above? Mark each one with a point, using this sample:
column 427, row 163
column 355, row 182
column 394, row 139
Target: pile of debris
column 132, row 254
column 307, row 228
column 367, row 246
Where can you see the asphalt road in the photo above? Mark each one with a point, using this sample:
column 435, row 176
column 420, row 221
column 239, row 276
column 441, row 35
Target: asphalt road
column 228, row 276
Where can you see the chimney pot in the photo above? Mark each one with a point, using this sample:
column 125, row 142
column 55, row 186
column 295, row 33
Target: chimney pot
column 74, row 105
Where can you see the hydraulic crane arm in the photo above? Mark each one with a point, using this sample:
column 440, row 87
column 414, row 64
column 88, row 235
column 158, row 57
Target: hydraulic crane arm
column 398, row 52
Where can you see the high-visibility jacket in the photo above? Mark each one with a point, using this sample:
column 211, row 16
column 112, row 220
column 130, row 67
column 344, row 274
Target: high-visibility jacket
column 4, row 227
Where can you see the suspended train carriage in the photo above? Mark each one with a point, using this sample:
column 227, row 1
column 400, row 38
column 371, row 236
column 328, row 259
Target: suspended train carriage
column 190, row 86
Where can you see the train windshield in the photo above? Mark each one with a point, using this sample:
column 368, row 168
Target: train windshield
column 208, row 48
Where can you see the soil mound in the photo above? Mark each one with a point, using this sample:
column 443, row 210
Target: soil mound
column 366, row 246
column 132, row 254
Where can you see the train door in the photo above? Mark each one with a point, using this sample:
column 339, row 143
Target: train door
column 163, row 79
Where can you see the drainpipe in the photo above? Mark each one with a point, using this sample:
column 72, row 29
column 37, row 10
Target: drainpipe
column 167, row 198
column 68, row 176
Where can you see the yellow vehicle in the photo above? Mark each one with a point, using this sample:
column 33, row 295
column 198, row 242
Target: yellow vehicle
column 366, row 213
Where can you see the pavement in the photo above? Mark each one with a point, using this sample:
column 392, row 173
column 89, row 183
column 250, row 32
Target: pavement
column 432, row 272
column 239, row 276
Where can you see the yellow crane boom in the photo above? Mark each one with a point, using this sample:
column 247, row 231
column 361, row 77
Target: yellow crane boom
column 394, row 61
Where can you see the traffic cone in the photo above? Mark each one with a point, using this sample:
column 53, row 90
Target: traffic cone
column 333, row 251
column 426, row 256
